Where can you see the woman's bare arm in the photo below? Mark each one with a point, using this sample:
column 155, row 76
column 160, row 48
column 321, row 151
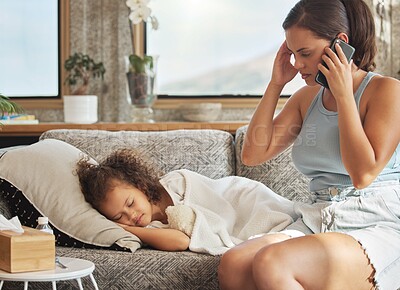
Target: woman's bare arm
column 367, row 146
column 366, row 143
column 267, row 135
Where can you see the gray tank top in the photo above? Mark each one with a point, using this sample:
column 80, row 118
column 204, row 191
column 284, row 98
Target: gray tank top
column 316, row 151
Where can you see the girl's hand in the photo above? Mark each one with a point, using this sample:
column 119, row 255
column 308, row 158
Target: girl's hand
column 283, row 71
column 161, row 239
column 338, row 74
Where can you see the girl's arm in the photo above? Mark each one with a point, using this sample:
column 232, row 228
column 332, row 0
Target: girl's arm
column 161, row 239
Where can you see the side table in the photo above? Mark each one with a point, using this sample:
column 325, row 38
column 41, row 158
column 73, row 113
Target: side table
column 75, row 269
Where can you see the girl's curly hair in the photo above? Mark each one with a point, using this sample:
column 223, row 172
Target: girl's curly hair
column 123, row 165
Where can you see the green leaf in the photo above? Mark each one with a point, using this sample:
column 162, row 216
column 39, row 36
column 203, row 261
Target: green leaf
column 140, row 65
column 80, row 67
column 7, row 106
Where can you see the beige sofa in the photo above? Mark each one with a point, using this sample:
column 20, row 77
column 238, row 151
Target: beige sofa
column 210, row 152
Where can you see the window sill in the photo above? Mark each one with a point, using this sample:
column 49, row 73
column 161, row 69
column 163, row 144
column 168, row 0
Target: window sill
column 40, row 104
column 229, row 103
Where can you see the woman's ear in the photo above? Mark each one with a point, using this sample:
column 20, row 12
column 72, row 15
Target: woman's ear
column 343, row 36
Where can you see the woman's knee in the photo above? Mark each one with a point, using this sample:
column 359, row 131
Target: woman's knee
column 270, row 262
column 235, row 268
column 234, row 271
column 229, row 265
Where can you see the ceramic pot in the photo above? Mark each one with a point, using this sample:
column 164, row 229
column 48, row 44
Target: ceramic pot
column 80, row 109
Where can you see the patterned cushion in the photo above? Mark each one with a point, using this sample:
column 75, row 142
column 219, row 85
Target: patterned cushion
column 279, row 173
column 39, row 180
column 208, row 152
column 4, row 208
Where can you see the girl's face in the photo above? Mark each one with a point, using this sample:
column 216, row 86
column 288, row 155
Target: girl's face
column 307, row 50
column 125, row 204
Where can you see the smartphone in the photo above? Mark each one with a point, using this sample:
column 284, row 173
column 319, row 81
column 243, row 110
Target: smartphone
column 348, row 51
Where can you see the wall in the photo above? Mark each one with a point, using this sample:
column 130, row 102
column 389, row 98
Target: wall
column 395, row 37
column 387, row 19
column 101, row 29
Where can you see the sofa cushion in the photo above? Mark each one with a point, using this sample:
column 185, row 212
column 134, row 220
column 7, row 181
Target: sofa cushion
column 146, row 269
column 279, row 173
column 44, row 174
column 208, row 152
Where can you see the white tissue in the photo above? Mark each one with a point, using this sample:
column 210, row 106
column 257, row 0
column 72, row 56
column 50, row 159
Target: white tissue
column 10, row 225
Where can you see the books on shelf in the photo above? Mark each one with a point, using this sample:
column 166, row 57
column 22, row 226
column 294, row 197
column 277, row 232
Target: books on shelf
column 16, row 119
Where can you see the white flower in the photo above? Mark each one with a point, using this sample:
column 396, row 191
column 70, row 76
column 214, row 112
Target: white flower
column 141, row 12
column 154, row 22
column 133, row 4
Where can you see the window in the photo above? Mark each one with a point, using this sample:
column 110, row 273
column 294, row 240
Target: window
column 217, row 48
column 30, row 50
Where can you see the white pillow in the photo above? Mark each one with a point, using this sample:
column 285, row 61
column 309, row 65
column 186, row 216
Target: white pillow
column 44, row 172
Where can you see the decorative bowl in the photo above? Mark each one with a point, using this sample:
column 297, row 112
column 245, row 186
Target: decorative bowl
column 200, row 112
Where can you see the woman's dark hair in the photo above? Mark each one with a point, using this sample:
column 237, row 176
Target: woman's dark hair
column 124, row 165
column 327, row 18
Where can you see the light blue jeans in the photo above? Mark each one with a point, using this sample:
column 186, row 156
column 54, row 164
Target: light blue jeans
column 370, row 215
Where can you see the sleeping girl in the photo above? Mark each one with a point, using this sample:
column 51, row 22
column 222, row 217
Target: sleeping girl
column 182, row 209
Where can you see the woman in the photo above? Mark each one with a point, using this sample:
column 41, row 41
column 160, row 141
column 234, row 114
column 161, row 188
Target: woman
column 352, row 158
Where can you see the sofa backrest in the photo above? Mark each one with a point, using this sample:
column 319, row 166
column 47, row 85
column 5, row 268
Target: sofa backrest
column 279, row 173
column 208, row 152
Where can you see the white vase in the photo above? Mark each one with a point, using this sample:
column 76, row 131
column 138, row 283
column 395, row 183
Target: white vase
column 80, row 109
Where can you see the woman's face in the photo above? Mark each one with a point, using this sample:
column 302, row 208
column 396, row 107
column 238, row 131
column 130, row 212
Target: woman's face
column 125, row 204
column 307, row 50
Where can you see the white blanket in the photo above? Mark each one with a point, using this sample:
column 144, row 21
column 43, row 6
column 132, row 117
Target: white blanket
column 228, row 210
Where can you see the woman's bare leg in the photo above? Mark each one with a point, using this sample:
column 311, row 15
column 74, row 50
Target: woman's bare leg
column 235, row 269
column 322, row 261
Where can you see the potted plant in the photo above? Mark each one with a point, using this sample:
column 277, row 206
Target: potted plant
column 141, row 72
column 141, row 80
column 8, row 106
column 79, row 107
column 81, row 68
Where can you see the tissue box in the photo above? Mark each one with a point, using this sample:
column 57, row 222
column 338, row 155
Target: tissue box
column 32, row 250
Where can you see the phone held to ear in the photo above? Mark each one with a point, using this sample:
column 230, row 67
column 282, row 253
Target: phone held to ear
column 348, row 51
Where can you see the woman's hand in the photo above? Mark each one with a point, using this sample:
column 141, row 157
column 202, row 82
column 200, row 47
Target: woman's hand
column 283, row 71
column 338, row 73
